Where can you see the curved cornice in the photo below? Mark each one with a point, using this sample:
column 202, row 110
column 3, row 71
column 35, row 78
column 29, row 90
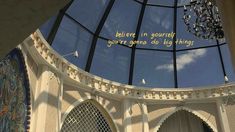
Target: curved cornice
column 42, row 53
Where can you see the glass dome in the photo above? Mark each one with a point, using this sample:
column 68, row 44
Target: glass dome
column 90, row 27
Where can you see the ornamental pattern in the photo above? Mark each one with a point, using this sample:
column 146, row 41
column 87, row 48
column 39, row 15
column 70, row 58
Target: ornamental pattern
column 14, row 94
column 44, row 54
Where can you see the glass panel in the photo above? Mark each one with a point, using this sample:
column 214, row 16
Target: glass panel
column 88, row 12
column 70, row 38
column 140, row 1
column 201, row 67
column 46, row 27
column 111, row 63
column 122, row 18
column 153, row 69
column 186, row 39
column 162, row 2
column 158, row 24
column 228, row 62
column 183, row 2
column 222, row 41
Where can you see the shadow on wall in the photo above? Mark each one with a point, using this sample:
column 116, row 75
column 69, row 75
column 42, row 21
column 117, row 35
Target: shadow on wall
column 136, row 119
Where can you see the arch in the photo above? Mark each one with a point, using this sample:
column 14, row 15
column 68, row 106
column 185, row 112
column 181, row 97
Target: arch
column 106, row 114
column 168, row 114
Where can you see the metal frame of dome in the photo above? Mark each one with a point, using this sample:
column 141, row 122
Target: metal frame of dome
column 96, row 36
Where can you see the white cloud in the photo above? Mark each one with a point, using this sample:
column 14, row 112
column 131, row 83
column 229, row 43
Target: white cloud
column 183, row 60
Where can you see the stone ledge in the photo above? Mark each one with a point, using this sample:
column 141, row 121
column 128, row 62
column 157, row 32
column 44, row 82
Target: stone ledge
column 46, row 55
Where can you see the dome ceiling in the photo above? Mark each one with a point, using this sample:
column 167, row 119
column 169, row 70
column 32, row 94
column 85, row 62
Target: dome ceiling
column 145, row 55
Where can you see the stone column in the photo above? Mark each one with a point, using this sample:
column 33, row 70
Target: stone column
column 145, row 117
column 41, row 99
column 61, row 89
column 222, row 116
column 47, row 101
column 127, row 115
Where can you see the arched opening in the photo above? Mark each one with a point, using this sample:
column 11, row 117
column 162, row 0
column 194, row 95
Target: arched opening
column 88, row 117
column 184, row 121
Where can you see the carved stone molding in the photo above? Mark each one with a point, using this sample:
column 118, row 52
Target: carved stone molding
column 46, row 55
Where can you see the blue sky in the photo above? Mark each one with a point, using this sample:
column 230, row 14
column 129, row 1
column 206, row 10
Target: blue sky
column 195, row 68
